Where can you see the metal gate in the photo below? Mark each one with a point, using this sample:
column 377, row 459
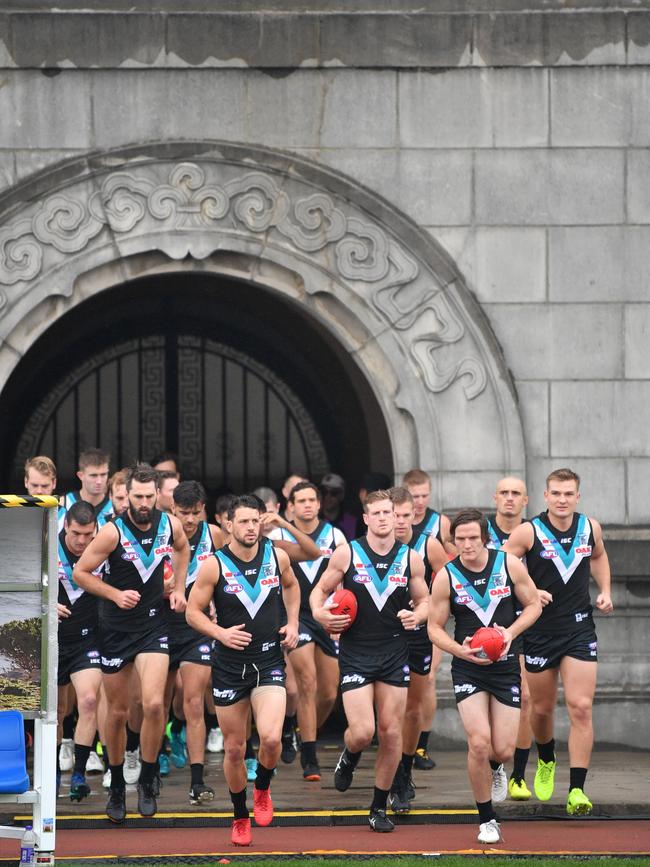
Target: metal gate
column 233, row 422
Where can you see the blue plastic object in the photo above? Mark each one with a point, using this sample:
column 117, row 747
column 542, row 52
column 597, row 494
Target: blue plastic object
column 13, row 768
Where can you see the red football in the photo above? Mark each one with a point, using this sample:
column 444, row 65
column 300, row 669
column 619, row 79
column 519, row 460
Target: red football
column 490, row 641
column 345, row 602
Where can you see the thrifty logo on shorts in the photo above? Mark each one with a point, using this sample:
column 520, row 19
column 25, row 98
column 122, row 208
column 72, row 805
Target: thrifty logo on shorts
column 224, row 693
column 468, row 688
column 538, row 661
column 352, row 678
column 112, row 663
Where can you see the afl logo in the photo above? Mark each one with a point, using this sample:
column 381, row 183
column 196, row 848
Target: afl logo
column 548, row 555
column 129, row 555
column 362, row 579
column 205, row 648
column 233, row 588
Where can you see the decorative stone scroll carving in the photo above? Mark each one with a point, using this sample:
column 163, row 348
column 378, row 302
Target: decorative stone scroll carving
column 187, row 197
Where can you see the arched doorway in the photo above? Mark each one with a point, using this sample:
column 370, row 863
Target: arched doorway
column 242, row 384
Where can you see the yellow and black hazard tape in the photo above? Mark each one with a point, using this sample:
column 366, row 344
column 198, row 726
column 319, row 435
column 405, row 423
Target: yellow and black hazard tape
column 15, row 501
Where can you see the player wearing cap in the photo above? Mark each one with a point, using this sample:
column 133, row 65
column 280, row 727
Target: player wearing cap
column 478, row 588
column 247, row 581
column 510, row 499
column 385, row 576
column 563, row 548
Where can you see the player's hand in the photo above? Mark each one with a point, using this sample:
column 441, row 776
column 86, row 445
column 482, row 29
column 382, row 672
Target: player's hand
column 127, row 599
column 470, row 653
column 177, row 601
column 333, row 623
column 290, row 632
column 236, row 638
column 544, row 597
column 507, row 640
column 408, row 619
column 62, row 612
column 604, row 603
column 269, row 520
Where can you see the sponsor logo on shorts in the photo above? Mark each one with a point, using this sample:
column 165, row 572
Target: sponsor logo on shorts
column 468, row 688
column 280, row 679
column 538, row 661
column 153, row 612
column 352, row 678
column 205, row 656
column 514, row 690
column 305, row 636
column 204, row 648
column 427, row 659
column 164, row 646
column 115, row 662
column 405, row 669
column 582, row 615
column 268, row 645
column 233, row 588
column 85, row 631
column 93, row 654
column 593, row 645
column 224, row 693
column 276, row 671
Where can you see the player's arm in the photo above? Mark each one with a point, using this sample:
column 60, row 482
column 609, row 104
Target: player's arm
column 527, row 594
column 200, row 597
column 439, row 610
column 304, row 548
column 412, row 617
column 216, row 534
column 436, row 554
column 291, row 599
column 101, row 547
column 600, row 570
column 338, row 565
column 445, row 535
column 180, row 562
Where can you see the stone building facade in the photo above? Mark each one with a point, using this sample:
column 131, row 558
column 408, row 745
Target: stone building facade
column 450, row 201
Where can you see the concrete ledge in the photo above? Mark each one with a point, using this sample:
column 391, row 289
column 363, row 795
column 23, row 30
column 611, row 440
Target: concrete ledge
column 401, row 35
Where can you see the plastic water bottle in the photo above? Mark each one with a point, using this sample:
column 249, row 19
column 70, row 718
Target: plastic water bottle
column 27, row 846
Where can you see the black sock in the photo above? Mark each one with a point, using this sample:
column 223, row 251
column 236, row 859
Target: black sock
column 308, row 752
column 117, row 776
column 379, row 799
column 210, row 721
column 81, row 754
column 250, row 752
column 263, row 778
column 352, row 758
column 148, row 771
column 132, row 739
column 485, row 811
column 287, row 726
column 519, row 766
column 196, row 771
column 546, row 752
column 423, row 742
column 177, row 725
column 105, row 757
column 68, row 727
column 577, row 777
column 58, row 756
column 239, row 804
column 495, row 765
column 407, row 764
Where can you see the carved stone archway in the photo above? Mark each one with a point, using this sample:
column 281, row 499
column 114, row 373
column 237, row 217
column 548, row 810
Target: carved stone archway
column 386, row 291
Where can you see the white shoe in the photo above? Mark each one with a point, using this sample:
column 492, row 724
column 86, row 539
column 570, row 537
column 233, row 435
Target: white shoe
column 66, row 755
column 499, row 785
column 489, row 832
column 94, row 765
column 106, row 781
column 215, row 741
column 132, row 766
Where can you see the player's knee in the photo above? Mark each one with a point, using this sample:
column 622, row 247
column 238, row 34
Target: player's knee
column 306, row 683
column 87, row 703
column 503, row 753
column 362, row 731
column 479, row 746
column 542, row 707
column 389, row 734
column 234, row 749
column 580, row 710
column 269, row 743
column 412, row 715
column 193, row 707
column 117, row 716
column 153, row 707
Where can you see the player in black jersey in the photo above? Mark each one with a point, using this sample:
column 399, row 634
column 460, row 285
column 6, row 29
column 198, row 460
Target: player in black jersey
column 427, row 522
column 248, row 581
column 511, row 498
column 133, row 548
column 93, row 474
column 189, row 652
column 79, row 661
column 424, row 658
column 479, row 588
column 562, row 548
column 385, row 576
column 314, row 659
